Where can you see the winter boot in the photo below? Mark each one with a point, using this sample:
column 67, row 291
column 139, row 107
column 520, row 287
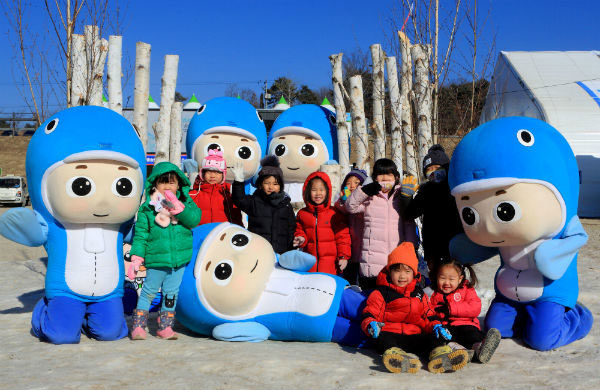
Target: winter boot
column 166, row 320
column 485, row 349
column 454, row 345
column 140, row 320
column 396, row 360
column 444, row 359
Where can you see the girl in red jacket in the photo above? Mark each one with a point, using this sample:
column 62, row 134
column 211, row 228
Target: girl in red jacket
column 457, row 305
column 321, row 230
column 402, row 323
column 211, row 194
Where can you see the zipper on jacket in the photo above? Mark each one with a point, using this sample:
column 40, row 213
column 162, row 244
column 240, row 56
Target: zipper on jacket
column 317, row 237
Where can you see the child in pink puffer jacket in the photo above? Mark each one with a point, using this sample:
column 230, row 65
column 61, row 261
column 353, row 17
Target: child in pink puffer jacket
column 384, row 228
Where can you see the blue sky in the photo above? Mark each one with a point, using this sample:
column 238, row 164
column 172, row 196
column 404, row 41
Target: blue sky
column 244, row 42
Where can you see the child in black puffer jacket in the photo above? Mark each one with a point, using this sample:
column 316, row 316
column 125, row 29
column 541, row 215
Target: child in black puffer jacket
column 270, row 213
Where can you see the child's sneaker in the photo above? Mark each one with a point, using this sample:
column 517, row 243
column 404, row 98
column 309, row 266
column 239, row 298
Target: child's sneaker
column 444, row 359
column 140, row 320
column 485, row 349
column 396, row 360
column 166, row 320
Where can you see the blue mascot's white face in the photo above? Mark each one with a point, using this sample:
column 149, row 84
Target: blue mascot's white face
column 512, row 215
column 93, row 191
column 299, row 155
column 232, row 270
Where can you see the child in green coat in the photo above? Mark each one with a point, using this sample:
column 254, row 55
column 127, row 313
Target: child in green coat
column 163, row 242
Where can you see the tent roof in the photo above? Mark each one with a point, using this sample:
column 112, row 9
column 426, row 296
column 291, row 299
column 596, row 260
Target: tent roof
column 192, row 104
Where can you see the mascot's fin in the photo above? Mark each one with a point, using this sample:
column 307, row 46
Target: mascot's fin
column 553, row 257
column 24, row 226
column 297, row 261
column 468, row 252
column 241, row 331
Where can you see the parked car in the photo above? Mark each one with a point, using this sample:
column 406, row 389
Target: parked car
column 13, row 190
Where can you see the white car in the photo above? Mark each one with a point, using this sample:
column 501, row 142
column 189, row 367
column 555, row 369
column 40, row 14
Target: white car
column 13, row 190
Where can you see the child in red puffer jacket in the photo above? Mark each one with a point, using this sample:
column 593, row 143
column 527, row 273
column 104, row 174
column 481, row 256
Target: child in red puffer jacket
column 457, row 305
column 321, row 230
column 211, row 194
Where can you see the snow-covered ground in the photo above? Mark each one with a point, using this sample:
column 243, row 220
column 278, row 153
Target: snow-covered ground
column 201, row 363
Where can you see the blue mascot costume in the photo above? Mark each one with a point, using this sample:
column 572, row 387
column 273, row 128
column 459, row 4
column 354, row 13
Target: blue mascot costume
column 237, row 289
column 86, row 168
column 516, row 185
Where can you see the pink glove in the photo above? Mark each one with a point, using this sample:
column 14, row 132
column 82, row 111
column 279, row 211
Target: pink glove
column 136, row 261
column 173, row 199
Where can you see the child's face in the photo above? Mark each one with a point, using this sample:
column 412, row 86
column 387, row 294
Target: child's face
column 385, row 181
column 432, row 168
column 318, row 191
column 172, row 186
column 352, row 183
column 401, row 276
column 213, row 177
column 448, row 279
column 270, row 185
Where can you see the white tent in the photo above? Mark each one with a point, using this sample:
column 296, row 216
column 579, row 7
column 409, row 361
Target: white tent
column 192, row 104
column 282, row 104
column 562, row 89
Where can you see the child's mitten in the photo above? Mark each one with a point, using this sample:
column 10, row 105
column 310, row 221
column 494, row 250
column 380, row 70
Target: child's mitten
column 442, row 310
column 177, row 205
column 374, row 328
column 409, row 186
column 345, row 193
column 371, row 189
column 441, row 332
column 136, row 262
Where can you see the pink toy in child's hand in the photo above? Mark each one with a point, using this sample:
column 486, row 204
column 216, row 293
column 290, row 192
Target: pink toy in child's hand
column 136, row 262
column 178, row 206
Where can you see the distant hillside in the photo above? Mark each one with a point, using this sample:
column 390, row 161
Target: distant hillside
column 12, row 155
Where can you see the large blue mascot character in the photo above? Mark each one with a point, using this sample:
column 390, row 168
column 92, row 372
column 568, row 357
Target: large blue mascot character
column 233, row 126
column 516, row 185
column 237, row 289
column 304, row 137
column 86, row 169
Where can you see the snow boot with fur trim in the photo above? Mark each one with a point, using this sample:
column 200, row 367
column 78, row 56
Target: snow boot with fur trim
column 444, row 359
column 396, row 360
column 140, row 320
column 485, row 349
column 166, row 320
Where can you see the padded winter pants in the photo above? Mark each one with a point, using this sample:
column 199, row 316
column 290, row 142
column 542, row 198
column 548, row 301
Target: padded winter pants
column 166, row 279
column 541, row 325
column 60, row 320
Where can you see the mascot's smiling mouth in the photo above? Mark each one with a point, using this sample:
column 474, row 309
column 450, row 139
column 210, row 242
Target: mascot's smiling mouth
column 293, row 169
column 253, row 268
column 100, row 215
column 497, row 242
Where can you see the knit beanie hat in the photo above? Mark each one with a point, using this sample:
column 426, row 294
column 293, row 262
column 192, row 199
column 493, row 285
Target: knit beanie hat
column 214, row 161
column 404, row 254
column 360, row 174
column 270, row 167
column 436, row 155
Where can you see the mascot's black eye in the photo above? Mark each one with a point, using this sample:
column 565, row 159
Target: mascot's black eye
column 201, row 109
column 280, row 150
column 124, row 186
column 307, row 150
column 507, row 211
column 525, row 137
column 244, row 152
column 81, row 186
column 214, row 147
column 51, row 126
column 223, row 271
column 469, row 215
column 240, row 240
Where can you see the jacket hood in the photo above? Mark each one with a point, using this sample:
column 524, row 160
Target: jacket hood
column 325, row 177
column 382, row 280
column 164, row 167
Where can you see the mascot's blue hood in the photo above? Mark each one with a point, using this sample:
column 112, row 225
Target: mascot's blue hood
column 80, row 133
column 516, row 150
column 227, row 115
column 309, row 119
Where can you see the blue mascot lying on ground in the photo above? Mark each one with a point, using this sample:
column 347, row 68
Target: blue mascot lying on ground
column 516, row 185
column 237, row 289
column 86, row 169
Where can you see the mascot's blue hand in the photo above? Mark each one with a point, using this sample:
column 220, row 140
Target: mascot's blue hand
column 553, row 257
column 297, row 260
column 241, row 331
column 24, row 226
column 468, row 252
column 128, row 234
column 190, row 165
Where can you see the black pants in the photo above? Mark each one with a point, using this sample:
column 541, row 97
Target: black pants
column 415, row 343
column 466, row 335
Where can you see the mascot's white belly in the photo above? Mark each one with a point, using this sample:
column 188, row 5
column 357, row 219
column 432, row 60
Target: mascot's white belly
column 518, row 278
column 294, row 191
column 287, row 291
column 91, row 267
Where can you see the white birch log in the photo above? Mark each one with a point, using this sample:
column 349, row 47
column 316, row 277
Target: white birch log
column 335, row 176
column 359, row 124
column 96, row 50
column 340, row 112
column 405, row 94
column 422, row 88
column 378, row 100
column 141, row 91
column 162, row 131
column 113, row 74
column 176, row 134
column 396, row 111
column 78, row 84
